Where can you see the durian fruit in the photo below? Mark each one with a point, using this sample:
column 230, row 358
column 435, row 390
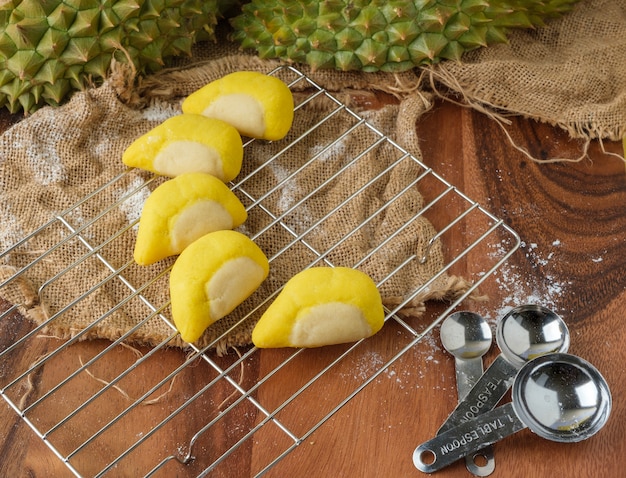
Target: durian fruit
column 373, row 35
column 49, row 48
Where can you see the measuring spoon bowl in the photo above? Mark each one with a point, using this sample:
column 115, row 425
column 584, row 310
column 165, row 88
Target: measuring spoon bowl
column 530, row 331
column 467, row 336
column 562, row 398
column 525, row 332
column 559, row 397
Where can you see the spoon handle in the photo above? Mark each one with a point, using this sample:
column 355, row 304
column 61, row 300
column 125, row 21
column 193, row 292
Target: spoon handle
column 484, row 395
column 468, row 371
column 467, row 438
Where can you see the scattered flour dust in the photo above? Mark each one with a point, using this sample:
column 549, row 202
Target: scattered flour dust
column 367, row 364
column 288, row 187
column 518, row 288
column 408, row 373
column 422, row 362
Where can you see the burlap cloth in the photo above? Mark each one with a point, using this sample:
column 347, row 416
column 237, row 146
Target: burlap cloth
column 57, row 157
column 571, row 73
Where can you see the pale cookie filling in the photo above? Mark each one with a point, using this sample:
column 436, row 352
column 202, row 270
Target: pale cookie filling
column 330, row 323
column 180, row 157
column 196, row 220
column 231, row 284
column 242, row 111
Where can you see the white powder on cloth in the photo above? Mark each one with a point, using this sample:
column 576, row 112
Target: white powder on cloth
column 338, row 149
column 160, row 112
column 11, row 231
column 44, row 157
column 288, row 187
column 299, row 216
column 45, row 163
column 133, row 204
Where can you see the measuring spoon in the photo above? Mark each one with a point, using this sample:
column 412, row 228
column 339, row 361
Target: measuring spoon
column 467, row 336
column 525, row 332
column 558, row 396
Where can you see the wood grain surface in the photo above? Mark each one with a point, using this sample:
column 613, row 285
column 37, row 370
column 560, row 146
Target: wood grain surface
column 571, row 218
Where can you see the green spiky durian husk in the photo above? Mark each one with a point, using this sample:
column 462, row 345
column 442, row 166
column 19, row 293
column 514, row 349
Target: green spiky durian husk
column 49, row 48
column 377, row 35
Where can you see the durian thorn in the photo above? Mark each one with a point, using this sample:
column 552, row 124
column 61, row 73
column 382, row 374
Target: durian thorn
column 22, row 33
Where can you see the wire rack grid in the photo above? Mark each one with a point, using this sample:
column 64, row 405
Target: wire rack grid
column 231, row 402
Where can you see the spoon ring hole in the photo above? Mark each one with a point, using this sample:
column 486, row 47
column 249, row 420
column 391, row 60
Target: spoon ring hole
column 480, row 460
column 427, row 457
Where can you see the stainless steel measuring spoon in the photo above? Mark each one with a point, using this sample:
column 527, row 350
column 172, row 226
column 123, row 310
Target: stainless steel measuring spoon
column 525, row 332
column 558, row 396
column 467, row 336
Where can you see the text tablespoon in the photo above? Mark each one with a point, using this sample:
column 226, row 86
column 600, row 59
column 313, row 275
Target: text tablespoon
column 525, row 332
column 467, row 336
column 558, row 396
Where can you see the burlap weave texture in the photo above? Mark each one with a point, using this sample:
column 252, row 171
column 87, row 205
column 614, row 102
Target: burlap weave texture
column 70, row 157
column 570, row 73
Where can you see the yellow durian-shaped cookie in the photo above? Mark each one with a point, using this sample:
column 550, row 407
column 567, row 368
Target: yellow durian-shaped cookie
column 321, row 306
column 258, row 105
column 188, row 143
column 181, row 210
column 211, row 277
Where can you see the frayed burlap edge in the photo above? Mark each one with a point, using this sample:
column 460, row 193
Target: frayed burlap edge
column 569, row 73
column 139, row 91
column 445, row 85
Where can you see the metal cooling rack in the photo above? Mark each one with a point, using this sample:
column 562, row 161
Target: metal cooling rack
column 228, row 412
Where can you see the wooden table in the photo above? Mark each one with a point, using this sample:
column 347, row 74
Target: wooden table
column 572, row 222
